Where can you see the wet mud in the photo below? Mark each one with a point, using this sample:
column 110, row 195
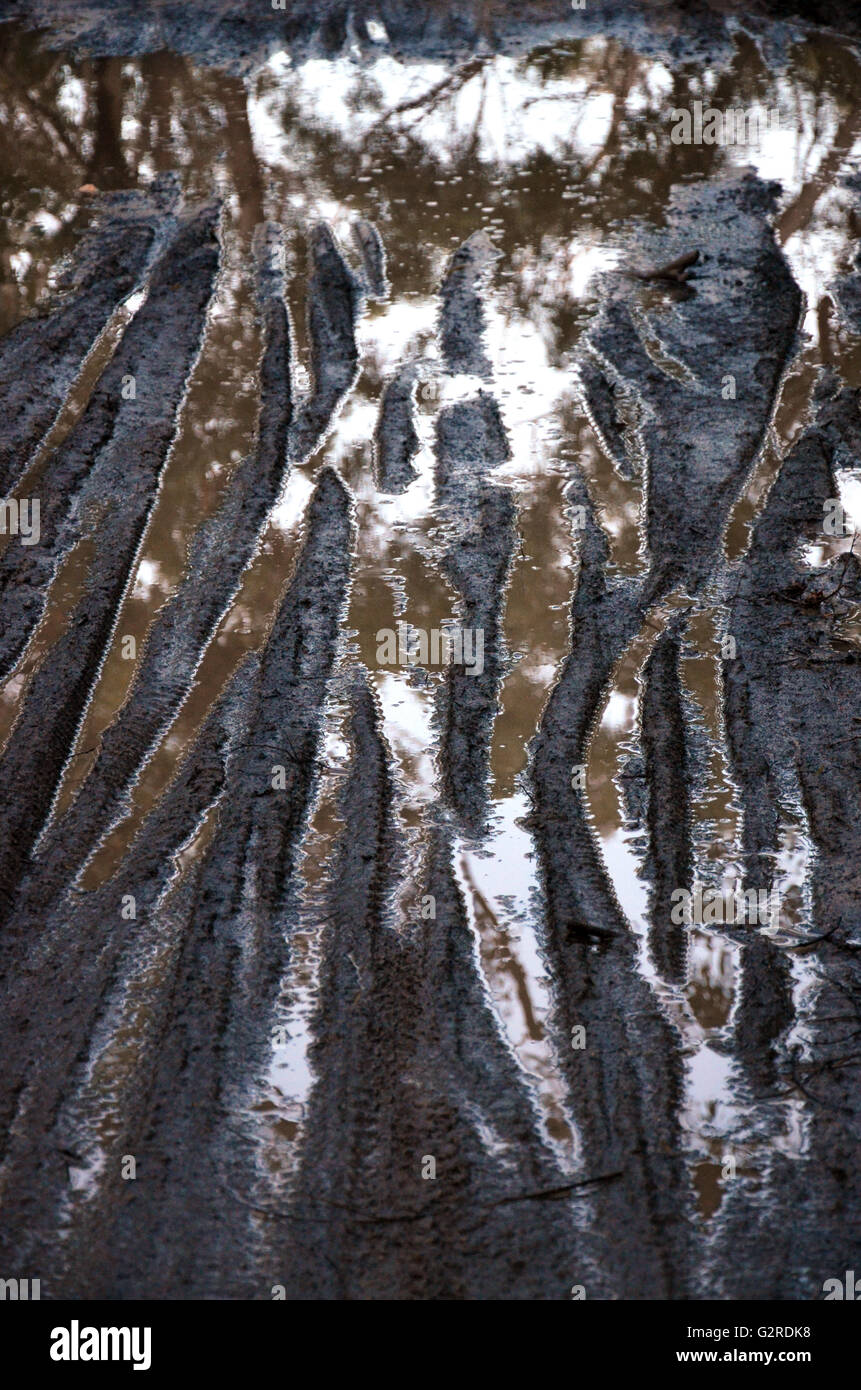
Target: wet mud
column 368, row 966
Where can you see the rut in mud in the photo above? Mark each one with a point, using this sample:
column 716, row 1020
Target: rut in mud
column 281, row 883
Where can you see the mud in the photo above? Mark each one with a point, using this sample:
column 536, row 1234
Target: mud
column 219, row 553
column 791, row 691
column 395, row 438
column 734, row 322
column 406, row 1210
column 42, row 356
column 226, row 32
column 109, row 470
column 667, row 778
column 225, row 966
column 370, row 967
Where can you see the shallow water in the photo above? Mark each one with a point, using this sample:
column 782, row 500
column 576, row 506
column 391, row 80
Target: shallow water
column 550, row 154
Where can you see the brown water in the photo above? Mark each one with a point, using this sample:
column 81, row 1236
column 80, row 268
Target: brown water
column 549, row 154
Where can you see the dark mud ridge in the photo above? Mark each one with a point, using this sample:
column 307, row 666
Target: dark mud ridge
column 142, row 1008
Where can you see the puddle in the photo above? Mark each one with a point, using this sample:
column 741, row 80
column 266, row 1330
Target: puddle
column 549, row 153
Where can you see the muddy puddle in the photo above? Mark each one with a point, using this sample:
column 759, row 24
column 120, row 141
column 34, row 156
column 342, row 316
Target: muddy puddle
column 554, row 164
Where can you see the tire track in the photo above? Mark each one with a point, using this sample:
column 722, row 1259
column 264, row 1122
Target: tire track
column 41, row 357
column 210, row 1006
column 411, row 1073
column 130, row 439
column 794, row 684
column 218, row 555
column 740, row 314
column 480, row 518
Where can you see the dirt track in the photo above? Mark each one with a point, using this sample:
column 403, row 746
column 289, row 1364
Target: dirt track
column 140, row 1015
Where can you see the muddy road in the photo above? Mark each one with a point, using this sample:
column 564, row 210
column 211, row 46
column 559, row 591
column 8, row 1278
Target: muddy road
column 430, row 652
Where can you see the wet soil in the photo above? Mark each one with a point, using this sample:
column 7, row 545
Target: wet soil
column 352, row 976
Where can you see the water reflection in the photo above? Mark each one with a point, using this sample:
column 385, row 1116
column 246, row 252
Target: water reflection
column 551, row 153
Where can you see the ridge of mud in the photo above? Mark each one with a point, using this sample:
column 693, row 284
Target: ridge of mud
column 601, row 392
column 334, row 301
column 625, row 1085
column 410, row 1067
column 480, row 518
column 218, row 554
column 606, row 615
column 462, row 320
column 396, row 442
column 369, row 244
column 212, row 1010
column 132, row 437
column 41, row 356
column 664, row 743
column 731, row 328
column 790, row 695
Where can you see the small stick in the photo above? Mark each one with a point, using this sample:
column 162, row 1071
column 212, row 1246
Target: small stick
column 676, row 270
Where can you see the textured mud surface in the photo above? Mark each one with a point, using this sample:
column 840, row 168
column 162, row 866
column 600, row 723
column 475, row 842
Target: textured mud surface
column 434, row 575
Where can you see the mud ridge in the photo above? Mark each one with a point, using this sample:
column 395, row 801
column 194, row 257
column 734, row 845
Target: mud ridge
column 462, row 320
column 212, row 1004
column 41, row 357
column 334, row 301
column 703, row 360
column 625, row 1082
column 664, row 744
column 135, row 433
column 411, row 1072
column 218, row 554
column 792, row 690
column 480, row 518
column 477, row 563
column 396, row 442
column 369, row 244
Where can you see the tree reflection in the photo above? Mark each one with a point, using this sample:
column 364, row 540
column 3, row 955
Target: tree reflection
column 599, row 155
